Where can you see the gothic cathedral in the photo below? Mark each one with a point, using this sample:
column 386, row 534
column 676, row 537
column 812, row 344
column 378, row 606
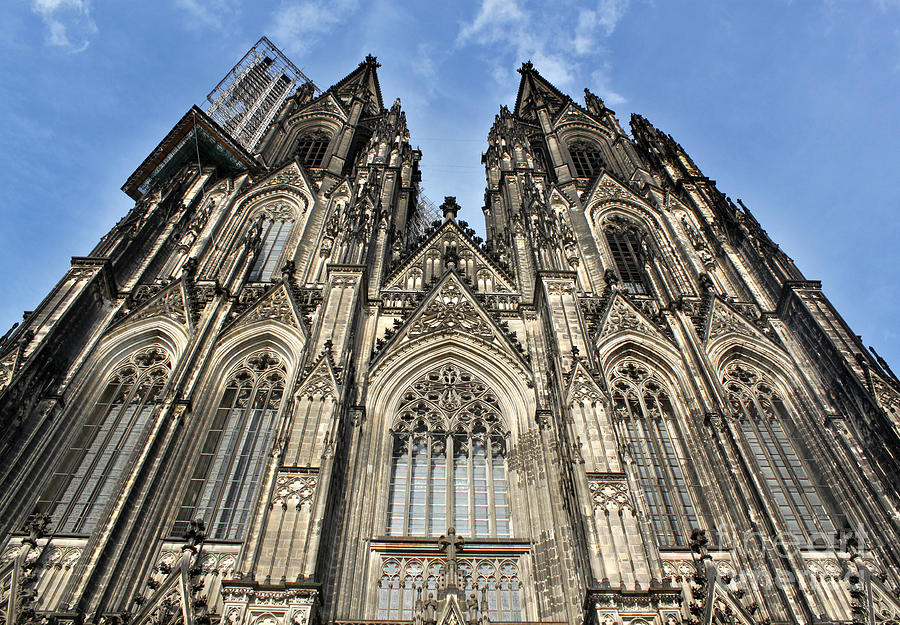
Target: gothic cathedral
column 286, row 389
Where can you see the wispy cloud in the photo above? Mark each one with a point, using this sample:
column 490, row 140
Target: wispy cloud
column 69, row 23
column 299, row 25
column 210, row 13
column 559, row 39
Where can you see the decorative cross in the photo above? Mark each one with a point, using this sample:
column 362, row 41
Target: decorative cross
column 451, row 543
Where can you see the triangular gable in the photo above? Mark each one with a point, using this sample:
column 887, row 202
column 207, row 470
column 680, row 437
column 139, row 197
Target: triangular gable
column 169, row 302
column 721, row 606
column 171, row 601
column 884, row 604
column 583, row 388
column 623, row 316
column 607, row 187
column 723, row 319
column 275, row 304
column 451, row 613
column 291, row 175
column 533, row 88
column 320, row 382
column 450, row 307
column 571, row 113
column 364, row 81
column 328, row 102
column 398, row 278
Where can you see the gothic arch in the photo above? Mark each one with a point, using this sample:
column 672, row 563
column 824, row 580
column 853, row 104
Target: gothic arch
column 308, row 122
column 133, row 335
column 511, row 383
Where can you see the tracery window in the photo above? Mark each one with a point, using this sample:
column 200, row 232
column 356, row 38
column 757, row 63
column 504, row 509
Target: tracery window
column 93, row 465
column 624, row 241
column 311, row 148
column 494, row 579
column 762, row 418
column 642, row 404
column 275, row 223
column 448, row 465
column 586, row 158
column 226, row 479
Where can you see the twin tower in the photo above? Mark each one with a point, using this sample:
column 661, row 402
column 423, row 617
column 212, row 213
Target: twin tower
column 285, row 390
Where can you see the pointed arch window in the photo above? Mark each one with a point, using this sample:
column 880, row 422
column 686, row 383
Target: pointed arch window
column 587, row 159
column 448, row 466
column 624, row 241
column 225, row 482
column 642, row 404
column 275, row 224
column 311, row 148
column 762, row 419
column 95, row 461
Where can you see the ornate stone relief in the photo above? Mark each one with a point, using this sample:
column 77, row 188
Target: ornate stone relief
column 450, row 309
column 622, row 317
column 319, row 384
column 725, row 321
column 294, row 488
column 583, row 389
column 273, row 306
column 610, row 494
column 170, row 303
column 247, row 605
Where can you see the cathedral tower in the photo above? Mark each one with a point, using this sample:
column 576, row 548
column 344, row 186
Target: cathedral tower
column 282, row 390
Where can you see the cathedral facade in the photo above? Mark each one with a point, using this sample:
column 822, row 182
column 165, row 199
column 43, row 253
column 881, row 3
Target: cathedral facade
column 283, row 390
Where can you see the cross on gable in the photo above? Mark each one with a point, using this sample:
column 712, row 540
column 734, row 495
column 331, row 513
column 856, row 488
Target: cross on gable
column 450, row 543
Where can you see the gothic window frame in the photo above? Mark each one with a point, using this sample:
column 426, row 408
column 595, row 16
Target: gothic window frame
column 763, row 414
column 627, row 245
column 455, row 428
column 644, row 406
column 275, row 225
column 311, row 147
column 219, row 475
column 99, row 439
column 587, row 157
column 497, row 579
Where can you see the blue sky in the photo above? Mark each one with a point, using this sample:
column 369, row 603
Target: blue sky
column 791, row 106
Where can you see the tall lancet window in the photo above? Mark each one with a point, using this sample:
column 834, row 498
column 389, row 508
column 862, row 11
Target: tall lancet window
column 624, row 241
column 448, row 463
column 586, row 158
column 91, row 468
column 763, row 417
column 275, row 223
column 642, row 405
column 311, row 148
column 235, row 448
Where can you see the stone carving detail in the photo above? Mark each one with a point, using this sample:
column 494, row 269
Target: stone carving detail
column 275, row 306
column 584, row 389
column 450, row 310
column 276, row 211
column 448, row 396
column 725, row 321
column 318, row 385
column 288, row 176
column 6, row 372
column 293, row 487
column 610, row 494
column 623, row 317
column 609, row 190
column 169, row 304
column 679, row 569
column 828, row 568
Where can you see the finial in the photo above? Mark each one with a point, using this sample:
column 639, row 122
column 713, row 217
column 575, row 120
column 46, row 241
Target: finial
column 371, row 60
column 450, row 208
column 527, row 66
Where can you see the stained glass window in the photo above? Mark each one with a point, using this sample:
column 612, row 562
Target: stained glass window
column 763, row 417
column 643, row 405
column 448, row 464
column 113, row 427
column 235, row 448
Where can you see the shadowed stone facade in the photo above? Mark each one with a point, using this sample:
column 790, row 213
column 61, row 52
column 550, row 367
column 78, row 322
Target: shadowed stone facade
column 273, row 394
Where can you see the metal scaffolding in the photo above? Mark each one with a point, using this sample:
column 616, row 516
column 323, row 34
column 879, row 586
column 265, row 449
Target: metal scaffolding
column 247, row 99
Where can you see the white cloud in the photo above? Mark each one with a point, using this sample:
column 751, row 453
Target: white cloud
column 69, row 23
column 560, row 38
column 298, row 26
column 212, row 13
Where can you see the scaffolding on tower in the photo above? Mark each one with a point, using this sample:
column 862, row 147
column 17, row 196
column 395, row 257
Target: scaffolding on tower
column 245, row 102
